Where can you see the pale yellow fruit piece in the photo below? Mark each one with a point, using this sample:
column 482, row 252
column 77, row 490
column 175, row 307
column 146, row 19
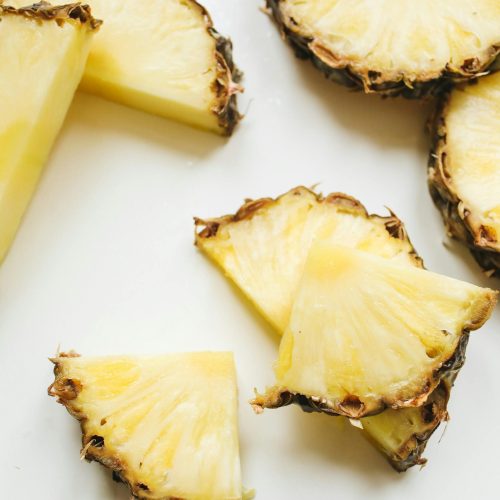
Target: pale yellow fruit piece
column 166, row 424
column 473, row 153
column 368, row 328
column 41, row 64
column 158, row 56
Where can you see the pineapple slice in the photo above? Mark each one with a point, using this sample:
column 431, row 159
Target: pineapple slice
column 263, row 248
column 166, row 58
column 464, row 169
column 43, row 50
column 392, row 47
column 166, row 425
column 366, row 333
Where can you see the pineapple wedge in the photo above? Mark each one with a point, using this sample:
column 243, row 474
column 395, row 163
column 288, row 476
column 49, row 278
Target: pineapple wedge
column 263, row 248
column 166, row 425
column 166, row 58
column 366, row 333
column 464, row 168
column 395, row 47
column 43, row 50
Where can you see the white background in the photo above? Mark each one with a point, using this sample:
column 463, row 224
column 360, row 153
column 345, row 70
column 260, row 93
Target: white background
column 105, row 264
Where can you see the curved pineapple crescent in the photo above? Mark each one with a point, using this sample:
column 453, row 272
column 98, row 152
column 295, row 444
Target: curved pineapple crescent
column 464, row 168
column 392, row 47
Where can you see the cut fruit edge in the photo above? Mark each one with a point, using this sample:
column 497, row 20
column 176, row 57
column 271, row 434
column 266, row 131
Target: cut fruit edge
column 340, row 70
column 456, row 216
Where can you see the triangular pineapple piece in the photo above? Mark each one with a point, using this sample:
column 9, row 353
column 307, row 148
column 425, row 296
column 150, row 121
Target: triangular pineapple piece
column 263, row 247
column 166, row 58
column 366, row 333
column 43, row 50
column 464, row 170
column 166, row 425
column 394, row 47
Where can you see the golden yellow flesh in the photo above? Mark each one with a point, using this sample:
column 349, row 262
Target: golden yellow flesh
column 394, row 36
column 365, row 326
column 41, row 64
column 172, row 420
column 265, row 255
column 156, row 56
column 473, row 151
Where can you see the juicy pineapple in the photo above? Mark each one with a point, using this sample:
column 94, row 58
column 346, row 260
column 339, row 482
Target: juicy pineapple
column 166, row 425
column 367, row 333
column 164, row 57
column 43, row 51
column 392, row 46
column 464, row 171
column 263, row 248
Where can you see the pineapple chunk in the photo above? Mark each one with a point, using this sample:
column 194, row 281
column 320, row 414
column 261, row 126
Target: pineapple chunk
column 264, row 246
column 464, row 172
column 166, row 425
column 394, row 46
column 43, row 50
column 164, row 57
column 366, row 333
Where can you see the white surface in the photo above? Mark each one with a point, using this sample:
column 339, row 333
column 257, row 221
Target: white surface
column 105, row 263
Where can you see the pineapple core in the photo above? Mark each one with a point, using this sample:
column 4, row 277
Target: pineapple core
column 473, row 156
column 167, row 425
column 418, row 38
column 366, row 332
column 41, row 63
column 159, row 56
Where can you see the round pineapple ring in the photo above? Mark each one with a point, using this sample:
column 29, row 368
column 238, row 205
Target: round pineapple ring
column 464, row 168
column 366, row 333
column 392, row 46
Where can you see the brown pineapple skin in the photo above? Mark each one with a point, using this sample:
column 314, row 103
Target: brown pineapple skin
column 339, row 70
column 455, row 215
column 227, row 83
column 434, row 409
column 65, row 391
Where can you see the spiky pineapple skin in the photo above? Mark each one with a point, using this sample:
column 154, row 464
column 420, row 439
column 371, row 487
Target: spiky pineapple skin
column 226, row 85
column 447, row 201
column 61, row 13
column 208, row 228
column 368, row 80
column 433, row 412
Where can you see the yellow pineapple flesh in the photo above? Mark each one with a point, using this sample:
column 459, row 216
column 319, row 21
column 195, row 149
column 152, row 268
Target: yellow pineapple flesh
column 166, row 425
column 43, row 51
column 366, row 333
column 263, row 248
column 164, row 57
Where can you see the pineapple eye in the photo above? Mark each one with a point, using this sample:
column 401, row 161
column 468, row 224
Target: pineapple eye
column 97, row 441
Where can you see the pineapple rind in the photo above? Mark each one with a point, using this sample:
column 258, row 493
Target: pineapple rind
column 359, row 73
column 464, row 168
column 212, row 239
column 166, row 425
column 417, row 320
column 47, row 45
